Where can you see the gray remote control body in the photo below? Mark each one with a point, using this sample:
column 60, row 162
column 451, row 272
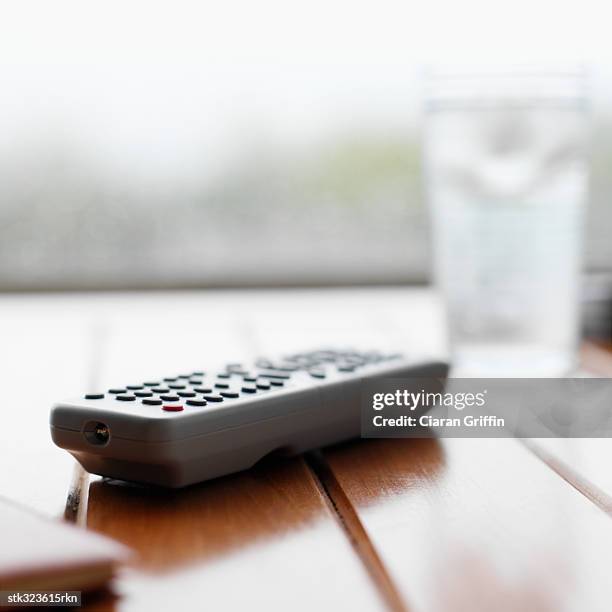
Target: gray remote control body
column 179, row 430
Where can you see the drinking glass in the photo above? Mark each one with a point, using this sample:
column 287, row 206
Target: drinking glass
column 506, row 172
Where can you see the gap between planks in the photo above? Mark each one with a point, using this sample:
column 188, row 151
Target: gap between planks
column 75, row 510
column 572, row 477
column 595, row 358
column 350, row 523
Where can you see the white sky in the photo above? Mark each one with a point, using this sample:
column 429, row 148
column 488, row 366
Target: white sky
column 164, row 85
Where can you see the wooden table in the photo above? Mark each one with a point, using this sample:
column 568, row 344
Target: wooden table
column 403, row 524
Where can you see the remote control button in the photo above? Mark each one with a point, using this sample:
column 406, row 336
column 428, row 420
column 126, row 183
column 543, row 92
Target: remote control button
column 202, row 389
column 169, row 398
column 224, row 375
column 249, row 378
column 263, row 385
column 94, row 396
column 263, row 363
column 195, row 381
column 143, row 394
column 356, row 363
column 239, row 372
column 177, row 386
column 277, row 383
column 230, row 394
column 186, row 394
column 126, row 398
column 276, row 375
column 117, row 391
column 172, row 407
column 317, row 374
column 160, row 389
column 152, row 402
column 170, row 379
column 286, row 368
column 184, row 376
column 222, row 385
column 134, row 387
column 196, row 402
column 346, row 368
column 249, row 389
column 198, row 373
column 151, row 384
column 213, row 398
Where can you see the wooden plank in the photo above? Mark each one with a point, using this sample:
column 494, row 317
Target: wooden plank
column 584, row 462
column 470, row 524
column 45, row 354
column 266, row 537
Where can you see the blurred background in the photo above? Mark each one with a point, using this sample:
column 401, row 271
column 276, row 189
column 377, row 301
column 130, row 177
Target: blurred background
column 247, row 144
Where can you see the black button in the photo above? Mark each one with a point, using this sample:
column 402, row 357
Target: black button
column 317, row 374
column 224, row 375
column 134, row 387
column 263, row 363
column 143, row 394
column 177, row 386
column 184, row 376
column 170, row 379
column 222, row 385
column 249, row 389
column 126, row 398
column 352, row 361
column 346, row 368
column 277, row 383
column 276, row 375
column 197, row 373
column 263, row 385
column 151, row 384
column 170, row 398
column 160, row 389
column 152, row 402
column 230, row 394
column 186, row 394
column 249, row 378
column 213, row 398
column 202, row 389
column 196, row 402
column 195, row 381
column 94, row 396
column 116, row 391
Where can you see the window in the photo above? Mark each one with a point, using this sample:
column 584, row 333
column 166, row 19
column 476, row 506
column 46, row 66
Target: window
column 222, row 144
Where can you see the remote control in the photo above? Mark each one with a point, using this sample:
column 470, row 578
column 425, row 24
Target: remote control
column 182, row 429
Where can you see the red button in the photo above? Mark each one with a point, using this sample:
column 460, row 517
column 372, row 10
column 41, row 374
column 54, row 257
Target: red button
column 172, row 408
